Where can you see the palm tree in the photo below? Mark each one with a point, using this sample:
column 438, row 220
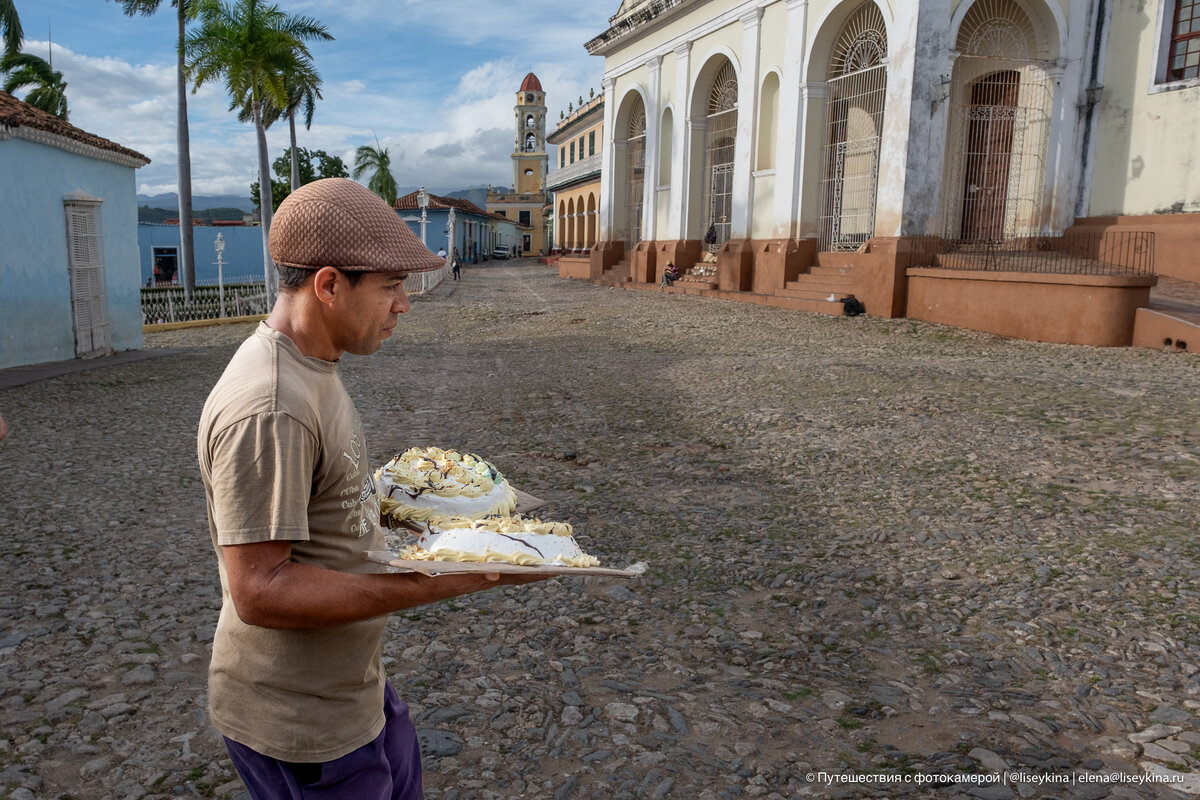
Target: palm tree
column 187, row 250
column 49, row 88
column 11, row 25
column 377, row 161
column 258, row 51
column 300, row 98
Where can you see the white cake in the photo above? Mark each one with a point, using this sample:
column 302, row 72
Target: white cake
column 424, row 483
column 513, row 540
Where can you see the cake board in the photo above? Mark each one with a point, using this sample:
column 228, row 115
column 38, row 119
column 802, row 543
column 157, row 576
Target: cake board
column 432, row 568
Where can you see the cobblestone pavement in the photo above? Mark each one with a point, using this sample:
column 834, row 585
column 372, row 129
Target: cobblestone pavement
column 878, row 549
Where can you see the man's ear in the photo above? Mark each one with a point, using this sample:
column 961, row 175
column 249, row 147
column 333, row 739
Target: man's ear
column 326, row 283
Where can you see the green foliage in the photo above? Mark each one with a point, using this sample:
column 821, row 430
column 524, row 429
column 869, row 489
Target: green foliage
column 378, row 162
column 48, row 89
column 314, row 165
column 11, row 25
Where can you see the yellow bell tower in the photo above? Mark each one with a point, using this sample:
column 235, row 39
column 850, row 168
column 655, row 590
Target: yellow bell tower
column 527, row 201
column 530, row 161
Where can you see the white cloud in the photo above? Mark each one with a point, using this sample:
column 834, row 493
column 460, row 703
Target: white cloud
column 435, row 82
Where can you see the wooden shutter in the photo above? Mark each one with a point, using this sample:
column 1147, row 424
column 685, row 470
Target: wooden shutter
column 85, row 265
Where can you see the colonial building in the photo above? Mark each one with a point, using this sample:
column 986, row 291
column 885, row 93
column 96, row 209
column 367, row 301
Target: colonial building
column 527, row 202
column 575, row 180
column 68, row 234
column 454, row 222
column 925, row 156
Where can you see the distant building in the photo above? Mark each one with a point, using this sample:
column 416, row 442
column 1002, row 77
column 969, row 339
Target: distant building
column 68, row 240
column 527, row 202
column 476, row 232
column 575, row 178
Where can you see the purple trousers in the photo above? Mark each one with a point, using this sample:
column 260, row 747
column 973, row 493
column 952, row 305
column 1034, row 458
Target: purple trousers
column 388, row 768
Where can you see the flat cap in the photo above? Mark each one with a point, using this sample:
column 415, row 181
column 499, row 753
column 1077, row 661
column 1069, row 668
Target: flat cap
column 335, row 222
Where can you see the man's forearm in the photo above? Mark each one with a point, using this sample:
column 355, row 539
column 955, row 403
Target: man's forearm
column 272, row 591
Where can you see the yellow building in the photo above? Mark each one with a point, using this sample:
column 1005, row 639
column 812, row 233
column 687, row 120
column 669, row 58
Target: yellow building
column 527, row 202
column 575, row 182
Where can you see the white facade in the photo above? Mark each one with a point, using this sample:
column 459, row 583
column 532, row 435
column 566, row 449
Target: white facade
column 840, row 120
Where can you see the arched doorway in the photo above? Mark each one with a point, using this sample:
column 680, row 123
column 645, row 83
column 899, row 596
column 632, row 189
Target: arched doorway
column 999, row 126
column 590, row 241
column 720, row 138
column 635, row 155
column 857, row 89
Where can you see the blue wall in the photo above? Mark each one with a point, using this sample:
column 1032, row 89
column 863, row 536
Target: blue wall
column 472, row 232
column 35, row 292
column 243, row 256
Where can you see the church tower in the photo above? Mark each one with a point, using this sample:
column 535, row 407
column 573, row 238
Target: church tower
column 530, row 161
column 527, row 203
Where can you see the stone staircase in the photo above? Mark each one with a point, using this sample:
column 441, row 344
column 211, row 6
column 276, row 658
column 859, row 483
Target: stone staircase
column 616, row 275
column 813, row 290
column 1172, row 319
column 701, row 276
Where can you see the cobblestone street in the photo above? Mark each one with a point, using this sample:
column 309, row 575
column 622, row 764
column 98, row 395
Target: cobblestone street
column 878, row 549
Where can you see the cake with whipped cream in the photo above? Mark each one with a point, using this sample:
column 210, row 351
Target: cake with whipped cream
column 424, row 483
column 499, row 539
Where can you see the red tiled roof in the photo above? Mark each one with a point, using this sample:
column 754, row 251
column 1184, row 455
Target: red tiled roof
column 17, row 114
column 409, row 203
column 531, row 83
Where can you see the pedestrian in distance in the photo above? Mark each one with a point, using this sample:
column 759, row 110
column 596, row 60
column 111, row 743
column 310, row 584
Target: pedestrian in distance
column 297, row 685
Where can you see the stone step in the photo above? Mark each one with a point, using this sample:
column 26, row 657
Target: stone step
column 831, row 271
column 838, row 260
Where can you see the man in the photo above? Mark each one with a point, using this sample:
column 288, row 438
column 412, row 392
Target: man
column 297, row 685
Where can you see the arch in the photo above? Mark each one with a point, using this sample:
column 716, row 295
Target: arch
column 666, row 132
column 570, row 224
column 768, row 121
column 714, row 114
column 832, row 22
column 1049, row 24
column 530, row 120
column 854, row 108
column 560, row 232
column 590, row 238
column 635, row 172
column 530, row 142
column 1000, row 115
column 628, row 164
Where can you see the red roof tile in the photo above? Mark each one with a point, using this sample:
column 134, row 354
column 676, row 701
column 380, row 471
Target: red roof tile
column 17, row 114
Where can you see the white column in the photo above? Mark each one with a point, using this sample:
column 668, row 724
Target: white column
column 789, row 144
column 743, row 151
column 650, row 172
column 680, row 144
column 608, row 163
column 808, row 195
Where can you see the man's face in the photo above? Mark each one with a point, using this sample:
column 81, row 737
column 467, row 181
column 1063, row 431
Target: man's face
column 367, row 313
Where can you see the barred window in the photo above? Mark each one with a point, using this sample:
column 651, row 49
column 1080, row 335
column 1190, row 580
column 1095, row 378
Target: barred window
column 1185, row 41
column 592, row 143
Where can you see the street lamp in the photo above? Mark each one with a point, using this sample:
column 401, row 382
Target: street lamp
column 219, row 244
column 423, row 204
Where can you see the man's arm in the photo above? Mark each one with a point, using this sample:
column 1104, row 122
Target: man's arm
column 272, row 591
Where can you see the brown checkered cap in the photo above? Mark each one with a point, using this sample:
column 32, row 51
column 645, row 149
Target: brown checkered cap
column 335, row 222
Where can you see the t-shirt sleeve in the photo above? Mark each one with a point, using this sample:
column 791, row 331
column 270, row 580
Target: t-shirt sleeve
column 261, row 475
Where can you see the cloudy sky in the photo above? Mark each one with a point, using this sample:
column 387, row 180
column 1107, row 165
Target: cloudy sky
column 434, row 81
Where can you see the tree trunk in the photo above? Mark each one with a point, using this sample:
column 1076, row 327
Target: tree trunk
column 295, row 163
column 264, row 202
column 187, row 249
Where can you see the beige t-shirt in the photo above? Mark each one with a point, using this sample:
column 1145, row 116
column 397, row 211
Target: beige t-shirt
column 282, row 455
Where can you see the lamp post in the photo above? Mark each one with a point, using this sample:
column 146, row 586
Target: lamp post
column 423, row 204
column 219, row 244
